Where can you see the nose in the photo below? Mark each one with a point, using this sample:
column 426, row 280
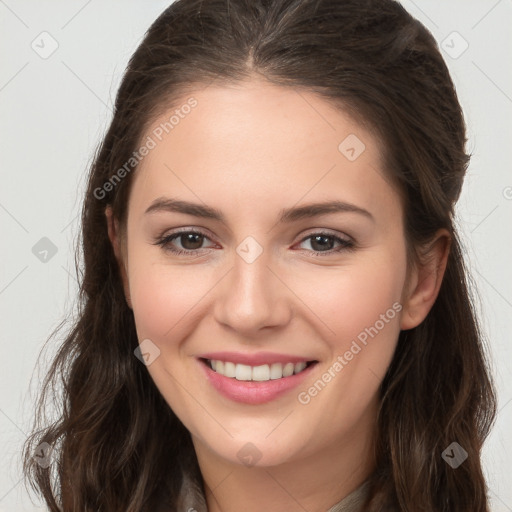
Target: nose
column 252, row 297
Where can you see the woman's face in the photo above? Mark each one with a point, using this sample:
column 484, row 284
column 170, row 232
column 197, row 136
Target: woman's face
column 265, row 279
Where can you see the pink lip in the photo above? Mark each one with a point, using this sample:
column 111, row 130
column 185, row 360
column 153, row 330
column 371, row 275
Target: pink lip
column 251, row 392
column 255, row 359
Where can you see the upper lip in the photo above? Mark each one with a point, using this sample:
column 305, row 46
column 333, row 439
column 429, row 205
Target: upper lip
column 255, row 359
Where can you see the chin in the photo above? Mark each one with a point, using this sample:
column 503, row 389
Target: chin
column 258, row 450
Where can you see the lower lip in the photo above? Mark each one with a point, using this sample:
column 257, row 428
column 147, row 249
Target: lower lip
column 252, row 392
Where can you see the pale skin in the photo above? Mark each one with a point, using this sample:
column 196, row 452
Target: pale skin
column 250, row 151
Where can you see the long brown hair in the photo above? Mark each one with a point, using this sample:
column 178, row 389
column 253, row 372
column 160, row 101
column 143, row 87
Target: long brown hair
column 117, row 444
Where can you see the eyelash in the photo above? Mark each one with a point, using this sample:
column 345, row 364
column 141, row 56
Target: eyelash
column 164, row 242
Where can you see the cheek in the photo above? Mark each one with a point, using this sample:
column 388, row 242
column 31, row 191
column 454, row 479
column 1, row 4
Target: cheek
column 161, row 293
column 347, row 299
column 361, row 304
column 163, row 296
column 351, row 298
column 165, row 300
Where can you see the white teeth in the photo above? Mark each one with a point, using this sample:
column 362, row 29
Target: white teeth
column 260, row 373
column 276, row 371
column 243, row 372
column 299, row 367
column 229, row 369
column 288, row 369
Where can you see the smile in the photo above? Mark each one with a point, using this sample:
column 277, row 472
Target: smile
column 260, row 373
column 258, row 383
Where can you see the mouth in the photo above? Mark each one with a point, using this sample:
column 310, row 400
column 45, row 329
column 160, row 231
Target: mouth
column 258, row 384
column 260, row 373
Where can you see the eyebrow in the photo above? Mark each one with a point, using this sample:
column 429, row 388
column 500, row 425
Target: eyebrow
column 287, row 215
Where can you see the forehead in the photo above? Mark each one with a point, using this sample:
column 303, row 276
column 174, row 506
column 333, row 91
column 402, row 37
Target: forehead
column 255, row 140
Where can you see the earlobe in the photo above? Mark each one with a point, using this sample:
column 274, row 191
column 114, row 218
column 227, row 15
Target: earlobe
column 425, row 281
column 113, row 235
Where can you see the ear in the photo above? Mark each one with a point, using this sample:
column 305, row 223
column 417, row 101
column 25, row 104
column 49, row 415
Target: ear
column 115, row 240
column 425, row 281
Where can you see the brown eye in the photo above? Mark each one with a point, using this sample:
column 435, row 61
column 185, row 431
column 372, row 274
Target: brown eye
column 184, row 242
column 324, row 243
column 191, row 241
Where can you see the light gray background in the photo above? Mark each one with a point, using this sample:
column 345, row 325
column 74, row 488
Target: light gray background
column 54, row 111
